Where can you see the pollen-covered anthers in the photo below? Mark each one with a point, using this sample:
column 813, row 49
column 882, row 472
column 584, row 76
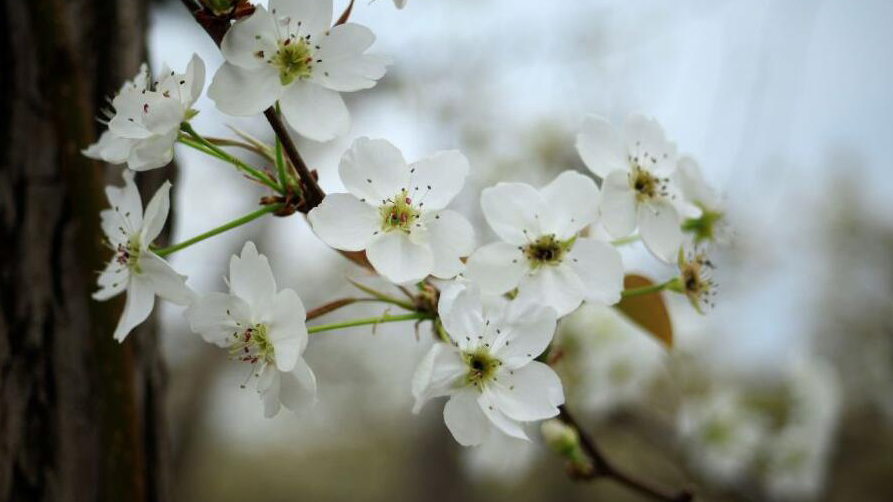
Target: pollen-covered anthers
column 481, row 367
column 646, row 185
column 252, row 345
column 399, row 213
column 695, row 271
column 294, row 57
column 547, row 250
column 128, row 255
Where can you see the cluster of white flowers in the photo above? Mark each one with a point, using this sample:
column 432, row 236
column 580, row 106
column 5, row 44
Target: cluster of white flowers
column 495, row 313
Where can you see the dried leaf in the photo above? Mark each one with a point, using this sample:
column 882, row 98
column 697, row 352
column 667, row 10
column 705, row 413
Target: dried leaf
column 648, row 311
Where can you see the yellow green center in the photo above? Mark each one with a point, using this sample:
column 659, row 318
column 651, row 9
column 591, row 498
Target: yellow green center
column 252, row 345
column 399, row 213
column 293, row 60
column 481, row 367
column 547, row 250
column 645, row 184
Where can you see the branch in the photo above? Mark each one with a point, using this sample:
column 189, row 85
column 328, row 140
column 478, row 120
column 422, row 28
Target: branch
column 603, row 468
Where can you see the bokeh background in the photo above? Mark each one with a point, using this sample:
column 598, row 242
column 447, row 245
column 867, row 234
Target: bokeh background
column 784, row 391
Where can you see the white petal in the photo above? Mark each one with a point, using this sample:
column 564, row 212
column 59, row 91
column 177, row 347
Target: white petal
column 512, row 210
column 435, row 181
column 648, row 146
column 601, row 147
column 619, row 206
column 156, row 214
column 571, row 203
column 526, row 330
column 110, row 148
column 314, row 111
column 251, row 41
column 461, row 312
column 153, row 152
column 140, row 300
column 437, row 374
column 451, row 236
column 399, row 259
column 195, row 79
column 287, row 329
column 240, row 92
column 659, row 226
column 315, row 15
column 497, row 267
column 112, row 281
column 163, row 116
column 600, row 269
column 298, row 386
column 373, row 170
column 343, row 65
column 693, row 185
column 218, row 316
column 498, row 418
column 531, row 392
column 251, row 279
column 556, row 286
column 130, row 105
column 268, row 384
column 343, row 222
column 164, row 280
column 465, row 419
column 127, row 203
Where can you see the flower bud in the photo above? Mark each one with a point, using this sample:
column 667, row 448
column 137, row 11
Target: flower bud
column 561, row 437
column 219, row 7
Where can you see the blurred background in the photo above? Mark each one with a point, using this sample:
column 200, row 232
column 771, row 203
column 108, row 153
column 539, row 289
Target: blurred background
column 783, row 391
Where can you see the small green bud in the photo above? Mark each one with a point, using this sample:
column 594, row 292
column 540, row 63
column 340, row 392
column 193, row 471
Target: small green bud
column 561, row 437
column 220, row 7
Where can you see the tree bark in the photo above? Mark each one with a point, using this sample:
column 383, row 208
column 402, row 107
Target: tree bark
column 81, row 416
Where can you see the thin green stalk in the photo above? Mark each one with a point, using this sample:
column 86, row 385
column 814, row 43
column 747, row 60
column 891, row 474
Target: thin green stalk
column 381, row 296
column 645, row 290
column 416, row 316
column 626, row 240
column 219, row 230
column 221, row 154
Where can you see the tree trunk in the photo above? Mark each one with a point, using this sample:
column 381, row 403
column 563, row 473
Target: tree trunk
column 81, row 416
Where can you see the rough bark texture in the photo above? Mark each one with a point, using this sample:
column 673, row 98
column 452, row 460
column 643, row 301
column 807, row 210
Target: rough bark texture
column 80, row 414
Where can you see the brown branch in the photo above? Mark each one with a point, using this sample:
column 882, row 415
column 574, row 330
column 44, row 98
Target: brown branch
column 605, row 469
column 331, row 306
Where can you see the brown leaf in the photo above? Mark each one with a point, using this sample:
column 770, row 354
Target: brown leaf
column 648, row 311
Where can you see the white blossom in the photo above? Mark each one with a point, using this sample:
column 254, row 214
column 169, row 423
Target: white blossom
column 134, row 267
column 292, row 54
column 542, row 252
column 704, row 206
column 488, row 368
column 635, row 166
column 396, row 212
column 261, row 326
column 145, row 117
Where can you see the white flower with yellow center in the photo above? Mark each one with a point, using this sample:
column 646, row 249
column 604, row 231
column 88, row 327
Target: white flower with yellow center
column 293, row 55
column 542, row 253
column 395, row 211
column 635, row 166
column 488, row 369
column 134, row 267
column 262, row 327
column 145, row 117
column 708, row 220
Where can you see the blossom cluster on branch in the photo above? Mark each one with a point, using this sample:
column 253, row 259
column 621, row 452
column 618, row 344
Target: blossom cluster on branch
column 492, row 309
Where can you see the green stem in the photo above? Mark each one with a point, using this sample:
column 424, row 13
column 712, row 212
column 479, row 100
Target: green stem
column 626, row 240
column 221, row 154
column 219, row 230
column 646, row 290
column 369, row 320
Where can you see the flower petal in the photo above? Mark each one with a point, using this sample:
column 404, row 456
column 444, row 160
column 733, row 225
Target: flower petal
column 298, row 387
column 343, row 65
column 526, row 329
column 556, row 286
column 343, row 222
column 465, row 419
column 399, row 259
column 498, row 418
column 269, row 384
column 531, row 392
column 110, row 148
column 314, row 111
column 251, row 41
column 218, row 316
column 315, row 15
column 373, row 170
column 126, row 202
column 435, row 181
column 497, row 267
column 240, row 92
column 156, row 214
column 512, row 211
column 600, row 269
column 140, row 300
column 287, row 328
column 571, row 202
column 251, row 279
column 112, row 281
column 437, row 374
column 648, row 146
column 659, row 226
column 461, row 312
column 619, row 206
column 164, row 280
column 601, row 147
column 451, row 237
column 153, row 152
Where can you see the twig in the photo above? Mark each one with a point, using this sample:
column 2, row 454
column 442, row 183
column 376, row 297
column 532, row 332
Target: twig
column 603, row 468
